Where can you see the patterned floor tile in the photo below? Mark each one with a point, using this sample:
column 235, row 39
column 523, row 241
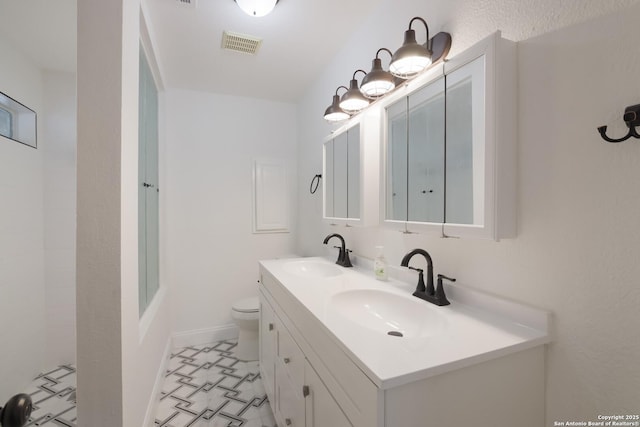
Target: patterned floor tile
column 54, row 398
column 204, row 386
column 234, row 390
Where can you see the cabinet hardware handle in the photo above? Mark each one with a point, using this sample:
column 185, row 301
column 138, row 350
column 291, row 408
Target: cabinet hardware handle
column 287, row 360
column 305, row 390
column 287, row 421
column 271, row 326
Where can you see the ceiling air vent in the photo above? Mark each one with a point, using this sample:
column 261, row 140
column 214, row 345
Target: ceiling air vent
column 240, row 42
column 188, row 3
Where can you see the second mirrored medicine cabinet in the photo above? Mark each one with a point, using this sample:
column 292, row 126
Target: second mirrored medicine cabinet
column 447, row 151
column 351, row 172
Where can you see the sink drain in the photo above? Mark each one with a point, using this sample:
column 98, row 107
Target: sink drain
column 395, row 333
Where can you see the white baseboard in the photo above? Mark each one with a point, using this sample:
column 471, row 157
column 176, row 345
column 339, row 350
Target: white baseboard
column 205, row 336
column 152, row 407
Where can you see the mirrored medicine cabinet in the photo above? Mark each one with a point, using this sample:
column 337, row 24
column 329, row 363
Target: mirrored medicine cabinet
column 351, row 176
column 448, row 161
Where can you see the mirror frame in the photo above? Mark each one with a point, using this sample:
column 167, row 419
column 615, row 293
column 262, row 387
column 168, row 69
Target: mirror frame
column 369, row 157
column 499, row 192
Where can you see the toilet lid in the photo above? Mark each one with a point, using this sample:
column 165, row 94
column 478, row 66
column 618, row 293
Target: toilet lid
column 248, row 305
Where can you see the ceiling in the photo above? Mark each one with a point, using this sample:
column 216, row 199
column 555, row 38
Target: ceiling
column 299, row 38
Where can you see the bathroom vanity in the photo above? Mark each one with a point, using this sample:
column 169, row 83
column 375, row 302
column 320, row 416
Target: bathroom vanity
column 327, row 358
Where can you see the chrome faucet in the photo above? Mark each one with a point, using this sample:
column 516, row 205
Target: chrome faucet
column 427, row 293
column 343, row 255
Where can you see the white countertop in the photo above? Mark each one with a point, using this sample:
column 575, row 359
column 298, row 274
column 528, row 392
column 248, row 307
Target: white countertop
column 477, row 327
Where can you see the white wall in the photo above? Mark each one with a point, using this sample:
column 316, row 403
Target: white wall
column 578, row 242
column 118, row 360
column 212, row 255
column 59, row 129
column 22, row 293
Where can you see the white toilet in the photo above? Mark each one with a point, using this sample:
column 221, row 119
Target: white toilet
column 246, row 314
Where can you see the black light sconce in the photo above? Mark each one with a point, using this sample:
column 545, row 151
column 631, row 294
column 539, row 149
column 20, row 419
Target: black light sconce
column 378, row 82
column 411, row 57
column 334, row 113
column 632, row 118
column 354, row 101
column 407, row 62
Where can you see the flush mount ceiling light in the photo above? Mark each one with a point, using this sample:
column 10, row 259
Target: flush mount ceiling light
column 411, row 57
column 354, row 101
column 334, row 113
column 377, row 82
column 257, row 8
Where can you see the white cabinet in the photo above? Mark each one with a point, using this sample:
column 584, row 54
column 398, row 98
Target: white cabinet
column 322, row 410
column 350, row 184
column 450, row 150
column 298, row 396
column 268, row 341
column 319, row 382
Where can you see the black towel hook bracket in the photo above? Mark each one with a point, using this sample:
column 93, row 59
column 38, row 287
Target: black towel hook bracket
column 632, row 118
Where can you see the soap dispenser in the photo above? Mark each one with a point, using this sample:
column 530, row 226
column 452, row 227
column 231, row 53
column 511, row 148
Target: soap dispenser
column 380, row 265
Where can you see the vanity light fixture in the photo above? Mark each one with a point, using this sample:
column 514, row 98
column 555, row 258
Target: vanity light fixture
column 378, row 81
column 408, row 61
column 257, row 8
column 411, row 57
column 353, row 100
column 334, row 113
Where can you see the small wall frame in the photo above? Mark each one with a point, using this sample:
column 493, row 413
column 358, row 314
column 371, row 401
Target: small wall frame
column 17, row 121
column 270, row 196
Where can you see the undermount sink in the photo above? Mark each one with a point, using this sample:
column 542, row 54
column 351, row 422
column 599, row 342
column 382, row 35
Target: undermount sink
column 312, row 269
column 388, row 313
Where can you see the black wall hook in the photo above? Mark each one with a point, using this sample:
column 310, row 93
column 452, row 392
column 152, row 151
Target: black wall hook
column 632, row 118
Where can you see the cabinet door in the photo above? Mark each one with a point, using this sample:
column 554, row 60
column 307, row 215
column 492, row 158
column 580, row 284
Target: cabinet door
column 267, row 347
column 465, row 158
column 353, row 172
column 415, row 156
column 340, row 176
column 328, row 181
column 321, row 408
column 425, row 174
column 396, row 168
column 291, row 405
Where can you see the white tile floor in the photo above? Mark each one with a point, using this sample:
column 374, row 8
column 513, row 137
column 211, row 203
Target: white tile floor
column 54, row 398
column 205, row 386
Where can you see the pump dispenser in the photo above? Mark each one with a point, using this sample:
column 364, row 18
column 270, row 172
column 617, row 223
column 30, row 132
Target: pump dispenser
column 380, row 265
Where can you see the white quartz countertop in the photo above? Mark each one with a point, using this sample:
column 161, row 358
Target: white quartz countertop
column 476, row 327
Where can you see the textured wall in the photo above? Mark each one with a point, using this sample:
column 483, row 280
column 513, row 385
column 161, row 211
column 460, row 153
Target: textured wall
column 578, row 241
column 59, row 124
column 22, row 293
column 212, row 255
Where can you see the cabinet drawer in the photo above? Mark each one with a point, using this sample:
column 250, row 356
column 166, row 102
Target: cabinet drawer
column 290, row 357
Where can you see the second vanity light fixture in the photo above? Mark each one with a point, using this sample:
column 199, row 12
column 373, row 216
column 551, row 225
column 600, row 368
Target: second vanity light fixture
column 407, row 62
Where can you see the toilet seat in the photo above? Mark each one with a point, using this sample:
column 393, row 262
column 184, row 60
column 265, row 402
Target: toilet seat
column 247, row 305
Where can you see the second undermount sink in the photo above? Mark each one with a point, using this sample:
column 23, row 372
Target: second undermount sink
column 389, row 313
column 312, row 269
